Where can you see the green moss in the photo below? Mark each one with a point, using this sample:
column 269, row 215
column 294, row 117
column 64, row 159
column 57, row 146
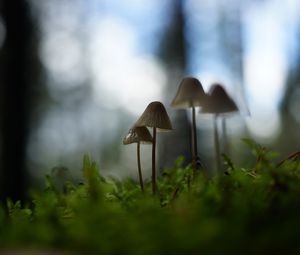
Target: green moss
column 254, row 209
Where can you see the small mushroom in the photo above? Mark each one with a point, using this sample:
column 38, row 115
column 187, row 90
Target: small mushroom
column 138, row 135
column 218, row 102
column 155, row 116
column 190, row 94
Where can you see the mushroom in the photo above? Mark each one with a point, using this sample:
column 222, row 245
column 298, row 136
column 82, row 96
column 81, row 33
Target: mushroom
column 218, row 102
column 138, row 135
column 155, row 116
column 190, row 94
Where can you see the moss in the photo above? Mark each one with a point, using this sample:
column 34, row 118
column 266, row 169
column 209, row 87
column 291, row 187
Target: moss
column 254, row 209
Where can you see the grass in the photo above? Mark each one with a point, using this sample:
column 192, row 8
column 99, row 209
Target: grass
column 254, row 210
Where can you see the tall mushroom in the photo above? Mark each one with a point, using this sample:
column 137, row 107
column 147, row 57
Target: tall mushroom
column 155, row 116
column 138, row 135
column 190, row 94
column 218, row 102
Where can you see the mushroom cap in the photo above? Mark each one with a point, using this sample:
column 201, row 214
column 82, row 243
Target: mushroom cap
column 138, row 135
column 190, row 93
column 218, row 101
column 155, row 115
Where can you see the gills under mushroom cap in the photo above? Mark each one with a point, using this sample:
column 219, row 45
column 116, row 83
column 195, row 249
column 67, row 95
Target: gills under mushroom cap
column 155, row 115
column 189, row 94
column 138, row 135
column 218, row 101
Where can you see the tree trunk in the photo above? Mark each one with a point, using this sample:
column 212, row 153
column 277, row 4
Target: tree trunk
column 14, row 99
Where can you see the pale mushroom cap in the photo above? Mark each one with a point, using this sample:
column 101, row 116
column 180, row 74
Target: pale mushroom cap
column 138, row 135
column 155, row 115
column 190, row 93
column 218, row 101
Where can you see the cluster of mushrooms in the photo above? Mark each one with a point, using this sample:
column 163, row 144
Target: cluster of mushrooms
column 190, row 94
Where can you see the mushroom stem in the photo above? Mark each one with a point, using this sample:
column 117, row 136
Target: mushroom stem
column 139, row 166
column 217, row 144
column 153, row 162
column 224, row 136
column 194, row 141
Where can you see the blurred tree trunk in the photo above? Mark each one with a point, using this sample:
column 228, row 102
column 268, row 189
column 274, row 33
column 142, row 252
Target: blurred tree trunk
column 230, row 37
column 289, row 138
column 173, row 54
column 15, row 63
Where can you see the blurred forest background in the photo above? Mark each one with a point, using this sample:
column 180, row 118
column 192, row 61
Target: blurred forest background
column 75, row 75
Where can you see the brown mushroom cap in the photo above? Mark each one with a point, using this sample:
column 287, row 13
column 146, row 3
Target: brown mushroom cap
column 155, row 115
column 189, row 94
column 218, row 101
column 138, row 135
